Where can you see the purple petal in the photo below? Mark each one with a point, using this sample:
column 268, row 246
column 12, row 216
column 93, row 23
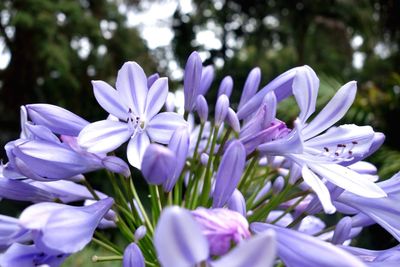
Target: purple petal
column 191, row 80
column 18, row 190
column 133, row 256
column 202, row 108
column 151, row 79
column 226, row 86
column 132, row 87
column 232, row 120
column 110, row 100
column 207, row 77
column 178, row 239
column 237, row 203
column 158, row 164
column 342, row 231
column 298, row 249
column 136, row 148
column 229, row 172
column 258, row 251
column 305, row 90
column 156, row 97
column 57, row 119
column 161, row 126
column 250, row 87
column 104, row 136
column 41, row 132
column 333, row 111
column 221, row 109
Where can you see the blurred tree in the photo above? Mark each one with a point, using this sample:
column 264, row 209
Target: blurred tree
column 57, row 48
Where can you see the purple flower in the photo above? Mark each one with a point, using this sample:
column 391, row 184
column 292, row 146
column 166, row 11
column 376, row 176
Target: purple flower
column 136, row 107
column 191, row 80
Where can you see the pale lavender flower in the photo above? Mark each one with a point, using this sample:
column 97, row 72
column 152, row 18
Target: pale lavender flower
column 136, row 106
column 229, row 172
column 133, row 256
column 298, row 250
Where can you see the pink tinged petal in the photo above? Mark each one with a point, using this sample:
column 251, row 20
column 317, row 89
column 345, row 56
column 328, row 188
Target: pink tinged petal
column 191, row 80
column 347, row 179
column 104, row 136
column 69, row 230
column 158, row 164
column 156, row 97
column 250, row 87
column 305, row 90
column 132, row 87
column 133, row 256
column 229, row 172
column 57, row 119
column 178, row 239
column 162, row 126
column 319, row 188
column 258, row 251
column 207, row 76
column 110, row 100
column 226, row 86
column 136, row 148
column 333, row 111
column 298, row 249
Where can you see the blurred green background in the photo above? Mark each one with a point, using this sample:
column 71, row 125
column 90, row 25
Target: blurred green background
column 50, row 50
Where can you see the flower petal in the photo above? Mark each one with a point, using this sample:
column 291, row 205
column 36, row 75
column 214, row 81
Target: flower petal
column 104, row 136
column 109, row 99
column 156, row 97
column 132, row 86
column 136, row 148
column 161, row 127
column 333, row 111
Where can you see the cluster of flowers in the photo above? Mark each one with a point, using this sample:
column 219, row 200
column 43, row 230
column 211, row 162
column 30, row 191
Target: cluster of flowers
column 241, row 189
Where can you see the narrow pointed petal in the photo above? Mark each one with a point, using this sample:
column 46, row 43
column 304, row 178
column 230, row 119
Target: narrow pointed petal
column 151, row 79
column 136, row 148
column 104, row 136
column 161, row 127
column 229, row 172
column 333, row 111
column 271, row 104
column 226, row 86
column 57, row 119
column 305, row 90
column 158, row 164
column 258, row 251
column 41, row 132
column 156, row 97
column 133, row 256
column 342, row 231
column 348, row 180
column 132, row 86
column 18, row 190
column 320, row 189
column 109, row 99
column 178, row 239
column 250, row 87
column 207, row 77
column 297, row 249
column 191, row 80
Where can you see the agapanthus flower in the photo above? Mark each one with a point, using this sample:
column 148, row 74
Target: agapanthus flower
column 135, row 107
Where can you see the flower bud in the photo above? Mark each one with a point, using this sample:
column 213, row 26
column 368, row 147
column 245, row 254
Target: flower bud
column 140, row 233
column 207, row 76
column 226, row 86
column 250, row 86
column 191, row 80
column 221, row 109
column 202, row 108
column 133, row 256
column 157, row 164
column 233, row 120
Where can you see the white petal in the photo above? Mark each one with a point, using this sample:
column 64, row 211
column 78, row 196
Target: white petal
column 347, row 179
column 319, row 188
column 136, row 148
column 156, row 97
column 132, row 86
column 305, row 90
column 333, row 111
column 109, row 99
column 162, row 126
column 258, row 251
column 104, row 136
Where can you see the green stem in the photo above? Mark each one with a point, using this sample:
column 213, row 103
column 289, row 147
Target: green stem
column 141, row 208
column 90, row 188
column 290, row 209
column 106, row 246
column 96, row 258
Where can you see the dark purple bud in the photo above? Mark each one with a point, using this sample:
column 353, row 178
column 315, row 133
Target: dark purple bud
column 207, row 77
column 202, row 108
column 191, row 80
column 342, row 231
column 229, row 172
column 232, row 120
column 151, row 79
column 222, row 228
column 158, row 164
column 57, row 119
column 226, row 86
column 133, row 256
column 237, row 202
column 221, row 109
column 251, row 86
column 179, row 145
